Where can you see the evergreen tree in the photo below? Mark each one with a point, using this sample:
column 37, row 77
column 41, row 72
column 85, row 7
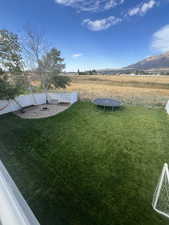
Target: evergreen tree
column 10, row 65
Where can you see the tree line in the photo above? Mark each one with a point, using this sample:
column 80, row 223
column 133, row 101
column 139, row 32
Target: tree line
column 31, row 53
column 88, row 72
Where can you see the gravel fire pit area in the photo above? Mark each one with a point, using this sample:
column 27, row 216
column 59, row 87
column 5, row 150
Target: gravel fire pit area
column 42, row 111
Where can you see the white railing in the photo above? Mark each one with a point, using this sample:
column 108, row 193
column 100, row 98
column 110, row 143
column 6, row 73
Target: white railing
column 13, row 208
column 167, row 107
column 35, row 99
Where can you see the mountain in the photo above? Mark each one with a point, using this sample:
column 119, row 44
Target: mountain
column 153, row 62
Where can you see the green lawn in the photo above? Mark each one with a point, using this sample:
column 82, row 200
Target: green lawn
column 86, row 166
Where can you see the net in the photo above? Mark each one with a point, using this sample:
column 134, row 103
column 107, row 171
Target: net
column 161, row 196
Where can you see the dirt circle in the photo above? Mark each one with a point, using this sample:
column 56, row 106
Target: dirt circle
column 42, row 111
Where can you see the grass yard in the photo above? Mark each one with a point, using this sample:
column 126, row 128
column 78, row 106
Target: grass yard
column 86, row 166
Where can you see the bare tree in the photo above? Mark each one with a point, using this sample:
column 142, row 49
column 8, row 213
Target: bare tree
column 45, row 61
column 34, row 46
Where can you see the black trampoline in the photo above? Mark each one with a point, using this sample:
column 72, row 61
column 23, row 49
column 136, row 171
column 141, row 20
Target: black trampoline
column 107, row 103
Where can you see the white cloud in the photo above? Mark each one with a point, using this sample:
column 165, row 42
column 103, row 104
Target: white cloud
column 134, row 11
column 90, row 5
column 77, row 55
column 101, row 5
column 143, row 8
column 102, row 24
column 161, row 39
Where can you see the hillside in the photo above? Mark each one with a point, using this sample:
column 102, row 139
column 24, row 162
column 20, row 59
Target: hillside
column 153, row 62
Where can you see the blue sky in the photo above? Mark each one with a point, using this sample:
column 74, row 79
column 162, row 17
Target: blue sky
column 94, row 34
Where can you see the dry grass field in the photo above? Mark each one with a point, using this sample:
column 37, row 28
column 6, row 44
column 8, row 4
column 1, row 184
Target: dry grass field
column 140, row 90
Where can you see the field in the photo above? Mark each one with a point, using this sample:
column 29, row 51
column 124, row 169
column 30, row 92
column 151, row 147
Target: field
column 86, row 166
column 140, row 90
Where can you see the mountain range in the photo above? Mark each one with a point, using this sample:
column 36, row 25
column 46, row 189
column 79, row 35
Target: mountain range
column 152, row 63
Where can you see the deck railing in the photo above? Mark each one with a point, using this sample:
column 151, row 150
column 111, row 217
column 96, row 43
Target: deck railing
column 13, row 208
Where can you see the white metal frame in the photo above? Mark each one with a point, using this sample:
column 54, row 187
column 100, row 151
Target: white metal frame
column 165, row 171
column 13, row 208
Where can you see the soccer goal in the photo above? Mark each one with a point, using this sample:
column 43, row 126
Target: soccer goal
column 13, row 208
column 161, row 196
